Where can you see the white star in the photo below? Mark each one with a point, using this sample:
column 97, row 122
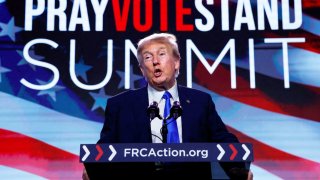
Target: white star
column 100, row 99
column 3, row 70
column 9, row 29
column 133, row 78
column 51, row 92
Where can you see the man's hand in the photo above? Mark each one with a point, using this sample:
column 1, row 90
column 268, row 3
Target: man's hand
column 240, row 173
column 250, row 175
column 85, row 175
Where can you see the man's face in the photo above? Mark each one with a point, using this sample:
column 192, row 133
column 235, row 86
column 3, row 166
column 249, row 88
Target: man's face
column 158, row 65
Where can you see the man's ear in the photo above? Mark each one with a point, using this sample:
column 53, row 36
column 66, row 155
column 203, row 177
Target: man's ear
column 177, row 64
column 141, row 69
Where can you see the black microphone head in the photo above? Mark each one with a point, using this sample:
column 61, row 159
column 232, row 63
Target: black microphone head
column 176, row 110
column 153, row 110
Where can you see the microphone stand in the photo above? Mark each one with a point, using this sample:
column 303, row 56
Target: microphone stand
column 164, row 130
column 175, row 112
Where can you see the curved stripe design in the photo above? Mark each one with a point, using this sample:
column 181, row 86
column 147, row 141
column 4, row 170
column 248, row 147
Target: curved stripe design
column 36, row 157
column 271, row 128
column 280, row 163
column 262, row 174
column 12, row 173
column 57, row 129
column 298, row 159
column 300, row 100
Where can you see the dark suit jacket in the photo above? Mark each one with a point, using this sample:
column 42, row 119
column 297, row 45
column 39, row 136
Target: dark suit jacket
column 126, row 121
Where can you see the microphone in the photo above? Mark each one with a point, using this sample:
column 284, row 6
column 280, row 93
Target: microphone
column 176, row 110
column 153, row 111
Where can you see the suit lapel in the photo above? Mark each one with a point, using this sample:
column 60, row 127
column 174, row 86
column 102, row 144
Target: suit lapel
column 139, row 107
column 186, row 104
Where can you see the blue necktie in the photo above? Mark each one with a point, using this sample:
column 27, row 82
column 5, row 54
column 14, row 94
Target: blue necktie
column 173, row 135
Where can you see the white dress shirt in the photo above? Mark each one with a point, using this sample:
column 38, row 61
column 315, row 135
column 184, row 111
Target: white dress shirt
column 156, row 123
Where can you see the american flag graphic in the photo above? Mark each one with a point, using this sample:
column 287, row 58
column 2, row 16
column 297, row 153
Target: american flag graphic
column 41, row 130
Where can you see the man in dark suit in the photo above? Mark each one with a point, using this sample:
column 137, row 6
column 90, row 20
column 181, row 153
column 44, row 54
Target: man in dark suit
column 126, row 119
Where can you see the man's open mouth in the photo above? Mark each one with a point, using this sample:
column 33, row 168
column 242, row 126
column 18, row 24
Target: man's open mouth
column 157, row 73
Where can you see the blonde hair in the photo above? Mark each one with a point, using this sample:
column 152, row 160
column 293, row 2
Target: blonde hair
column 164, row 38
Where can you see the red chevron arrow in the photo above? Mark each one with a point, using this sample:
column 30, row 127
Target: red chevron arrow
column 234, row 152
column 100, row 152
